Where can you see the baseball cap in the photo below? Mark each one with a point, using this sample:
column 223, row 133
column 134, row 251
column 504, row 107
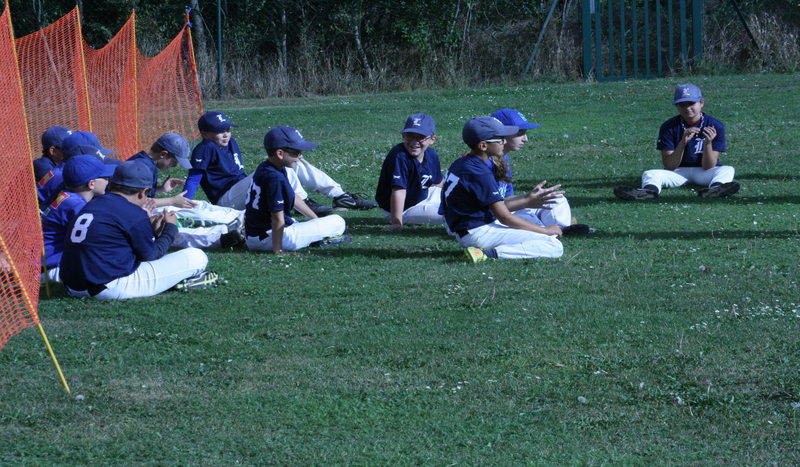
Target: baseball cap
column 687, row 93
column 515, row 118
column 286, row 137
column 482, row 128
column 177, row 145
column 421, row 124
column 80, row 169
column 83, row 142
column 54, row 135
column 133, row 174
column 214, row 122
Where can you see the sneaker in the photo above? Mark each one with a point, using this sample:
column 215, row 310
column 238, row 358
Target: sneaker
column 629, row 193
column 190, row 223
column 353, row 201
column 234, row 236
column 333, row 241
column 475, row 254
column 319, row 209
column 577, row 229
column 204, row 280
column 719, row 191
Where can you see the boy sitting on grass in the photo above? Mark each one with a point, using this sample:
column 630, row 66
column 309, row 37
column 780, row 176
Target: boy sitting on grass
column 268, row 222
column 409, row 186
column 690, row 144
column 476, row 213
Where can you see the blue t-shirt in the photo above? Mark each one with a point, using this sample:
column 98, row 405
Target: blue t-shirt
column 148, row 161
column 55, row 219
column 400, row 170
column 49, row 186
column 469, row 188
column 107, row 240
column 43, row 165
column 669, row 135
column 269, row 192
column 218, row 168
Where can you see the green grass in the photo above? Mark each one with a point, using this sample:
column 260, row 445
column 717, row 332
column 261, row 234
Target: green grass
column 391, row 350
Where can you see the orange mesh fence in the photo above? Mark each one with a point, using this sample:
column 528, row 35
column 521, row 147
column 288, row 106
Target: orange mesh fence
column 20, row 240
column 51, row 77
column 126, row 99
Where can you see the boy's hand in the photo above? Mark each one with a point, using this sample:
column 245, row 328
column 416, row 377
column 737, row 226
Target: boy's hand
column 148, row 206
column 392, row 227
column 690, row 133
column 709, row 133
column 171, row 217
column 157, row 221
column 182, row 202
column 553, row 230
column 172, row 183
column 540, row 197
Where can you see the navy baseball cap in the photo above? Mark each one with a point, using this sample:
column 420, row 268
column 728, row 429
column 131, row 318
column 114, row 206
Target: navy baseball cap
column 286, row 137
column 54, row 135
column 687, row 93
column 83, row 142
column 515, row 118
column 421, row 124
column 484, row 128
column 178, row 146
column 80, row 169
column 214, row 122
column 133, row 174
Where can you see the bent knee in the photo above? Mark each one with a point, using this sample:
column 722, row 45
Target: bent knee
column 195, row 258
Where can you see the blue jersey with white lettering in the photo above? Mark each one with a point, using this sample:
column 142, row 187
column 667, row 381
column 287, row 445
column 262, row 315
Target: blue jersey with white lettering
column 43, row 165
column 107, row 240
column 400, row 170
column 469, row 189
column 269, row 192
column 219, row 169
column 55, row 219
column 671, row 131
column 148, row 161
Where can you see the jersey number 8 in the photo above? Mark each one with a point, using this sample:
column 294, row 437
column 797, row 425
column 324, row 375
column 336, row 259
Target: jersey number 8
column 81, row 228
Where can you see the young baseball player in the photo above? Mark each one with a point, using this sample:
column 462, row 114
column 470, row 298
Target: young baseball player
column 409, row 186
column 217, row 226
column 77, row 143
column 543, row 206
column 690, row 144
column 268, row 223
column 84, row 178
column 217, row 167
column 114, row 251
column 476, row 213
column 52, row 156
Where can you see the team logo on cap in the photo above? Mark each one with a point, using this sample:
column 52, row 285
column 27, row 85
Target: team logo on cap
column 416, row 121
column 298, row 133
column 221, row 118
column 685, row 92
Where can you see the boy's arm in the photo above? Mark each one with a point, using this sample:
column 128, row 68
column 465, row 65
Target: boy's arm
column 710, row 156
column 178, row 201
column 192, row 182
column 301, row 207
column 672, row 159
column 538, row 198
column 515, row 222
column 397, row 202
column 278, row 223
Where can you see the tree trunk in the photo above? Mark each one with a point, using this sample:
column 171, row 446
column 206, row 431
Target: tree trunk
column 361, row 52
column 198, row 29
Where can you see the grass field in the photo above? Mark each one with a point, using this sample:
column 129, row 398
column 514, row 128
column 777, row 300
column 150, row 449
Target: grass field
column 668, row 337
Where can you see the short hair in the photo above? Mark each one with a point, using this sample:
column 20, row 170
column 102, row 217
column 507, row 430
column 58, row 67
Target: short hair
column 156, row 148
column 124, row 189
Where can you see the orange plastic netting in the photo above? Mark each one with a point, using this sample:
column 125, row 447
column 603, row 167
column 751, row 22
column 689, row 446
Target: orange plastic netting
column 20, row 237
column 52, row 77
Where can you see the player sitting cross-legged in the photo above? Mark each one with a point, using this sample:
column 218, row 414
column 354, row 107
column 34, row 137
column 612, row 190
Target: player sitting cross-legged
column 690, row 144
column 475, row 212
column 270, row 199
column 409, row 186
column 114, row 251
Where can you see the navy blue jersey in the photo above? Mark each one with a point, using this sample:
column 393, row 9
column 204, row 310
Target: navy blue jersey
column 43, row 165
column 49, row 186
column 669, row 135
column 55, row 219
column 269, row 192
column 148, row 161
column 469, row 188
column 107, row 240
column 400, row 170
column 220, row 168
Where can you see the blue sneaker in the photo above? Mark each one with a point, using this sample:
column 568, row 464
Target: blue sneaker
column 333, row 241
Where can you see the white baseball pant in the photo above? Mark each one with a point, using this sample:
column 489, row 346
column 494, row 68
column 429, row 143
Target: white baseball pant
column 153, row 277
column 301, row 234
column 236, row 196
column 314, row 179
column 682, row 175
column 426, row 212
column 513, row 243
column 559, row 213
column 204, row 237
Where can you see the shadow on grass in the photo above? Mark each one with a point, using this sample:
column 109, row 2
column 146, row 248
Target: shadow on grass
column 611, row 182
column 387, row 253
column 677, row 235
